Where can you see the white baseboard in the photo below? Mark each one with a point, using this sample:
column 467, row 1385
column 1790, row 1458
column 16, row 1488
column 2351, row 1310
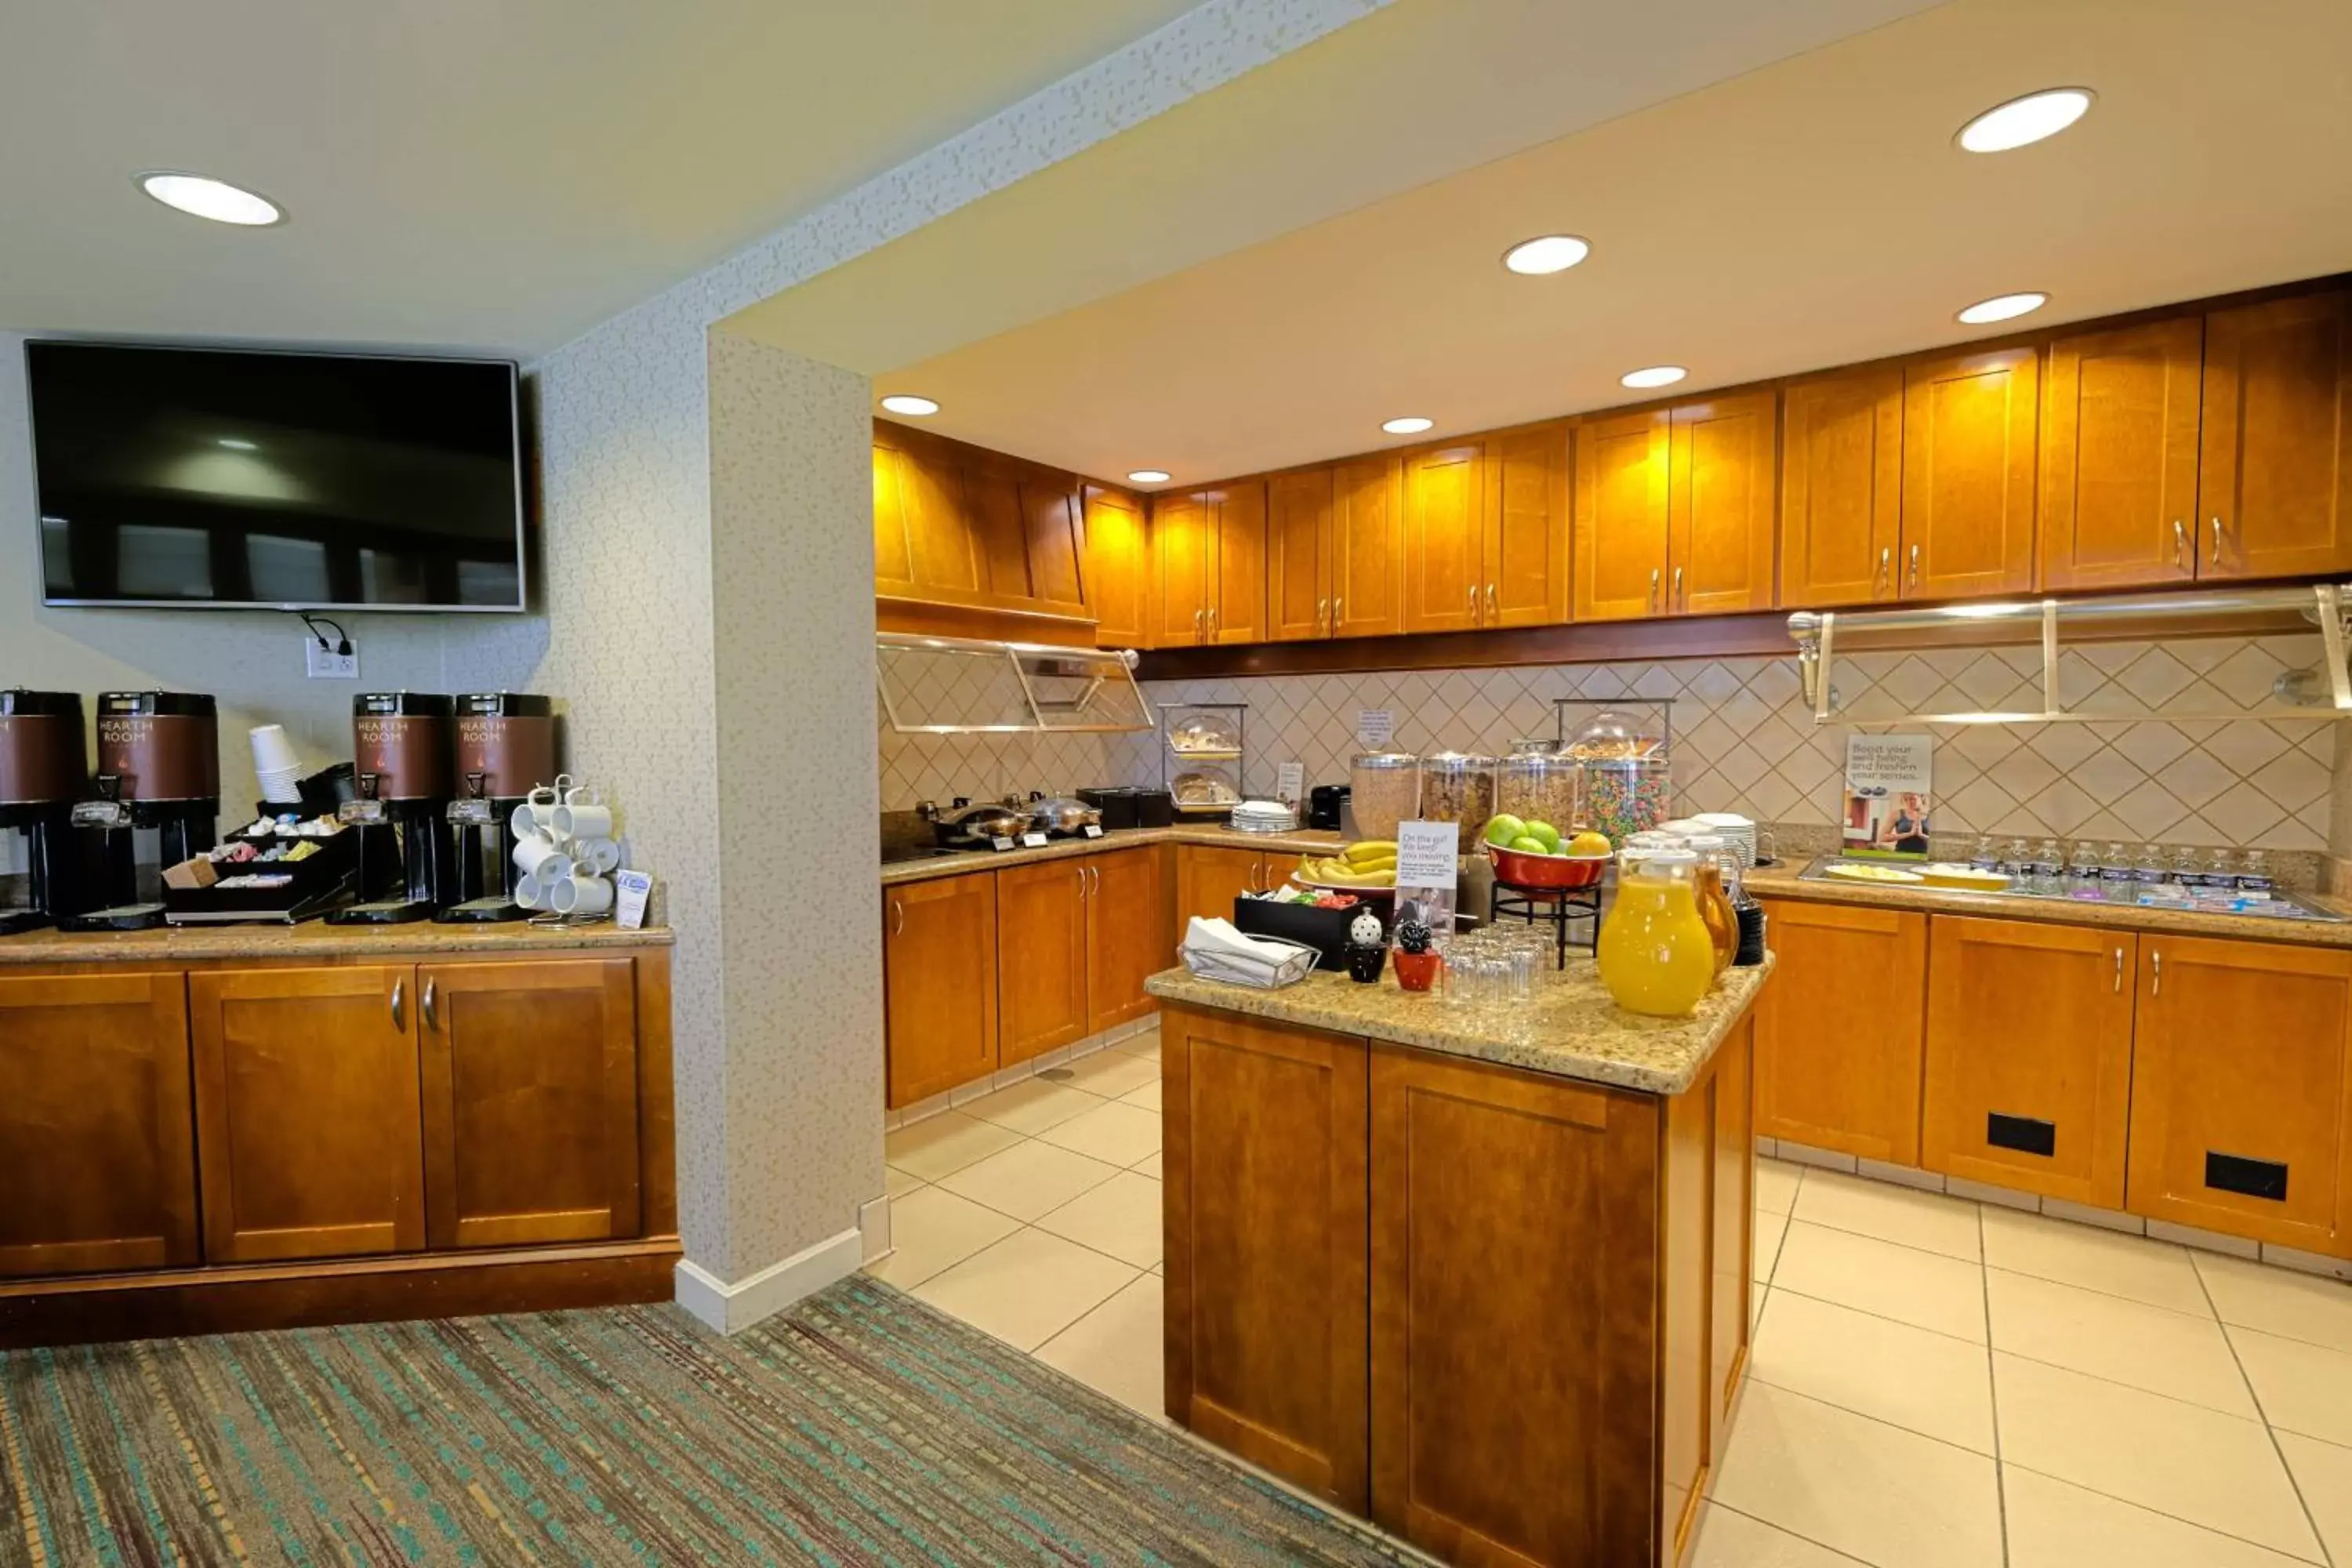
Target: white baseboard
column 731, row 1308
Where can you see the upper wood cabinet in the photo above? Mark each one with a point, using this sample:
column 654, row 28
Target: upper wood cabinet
column 1334, row 551
column 1719, row 473
column 1117, row 568
column 1444, row 537
column 957, row 524
column 923, row 548
column 1298, row 558
column 1210, row 548
column 2274, row 483
column 1622, row 527
column 1185, row 553
column 1485, row 531
column 1854, row 1088
column 2119, row 457
column 1841, row 488
column 939, row 972
column 1969, row 473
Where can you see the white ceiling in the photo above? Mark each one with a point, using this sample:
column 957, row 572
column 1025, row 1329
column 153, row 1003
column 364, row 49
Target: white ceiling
column 1813, row 212
column 494, row 175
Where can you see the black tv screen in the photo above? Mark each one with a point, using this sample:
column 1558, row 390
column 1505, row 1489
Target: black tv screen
column 282, row 480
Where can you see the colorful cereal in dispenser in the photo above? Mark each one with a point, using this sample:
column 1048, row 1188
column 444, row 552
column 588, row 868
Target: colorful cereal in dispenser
column 1625, row 795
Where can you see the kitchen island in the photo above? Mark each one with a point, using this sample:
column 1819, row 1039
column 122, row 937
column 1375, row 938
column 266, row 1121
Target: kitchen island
column 1481, row 1275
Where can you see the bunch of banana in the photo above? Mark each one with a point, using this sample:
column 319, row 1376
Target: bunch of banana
column 1370, row 863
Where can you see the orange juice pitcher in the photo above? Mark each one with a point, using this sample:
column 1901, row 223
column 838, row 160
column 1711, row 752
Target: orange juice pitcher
column 1655, row 955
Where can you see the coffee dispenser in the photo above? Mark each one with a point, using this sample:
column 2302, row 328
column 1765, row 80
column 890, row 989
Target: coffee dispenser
column 159, row 769
column 506, row 747
column 401, row 749
column 43, row 769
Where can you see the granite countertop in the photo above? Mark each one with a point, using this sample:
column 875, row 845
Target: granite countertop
column 312, row 939
column 1784, row 882
column 1571, row 1028
column 1301, row 842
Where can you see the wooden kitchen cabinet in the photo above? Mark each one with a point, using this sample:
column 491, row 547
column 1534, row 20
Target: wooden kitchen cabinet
column 310, row 1133
column 1210, row 550
column 1298, row 556
column 1117, row 568
column 939, row 964
column 1208, row 880
column 1622, row 525
column 1720, row 466
column 1841, row 488
column 1969, row 473
column 1333, row 550
column 1265, row 1322
column 1444, row 537
column 1041, row 958
column 922, row 544
column 529, row 1100
column 2275, row 479
column 1838, row 1030
column 1127, row 933
column 959, row 525
column 2119, row 457
column 2028, row 1055
column 1183, row 554
column 97, row 1158
column 1528, row 565
column 2242, row 1090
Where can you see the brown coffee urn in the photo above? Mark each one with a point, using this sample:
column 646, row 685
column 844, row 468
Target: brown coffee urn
column 159, row 746
column 402, row 739
column 506, row 745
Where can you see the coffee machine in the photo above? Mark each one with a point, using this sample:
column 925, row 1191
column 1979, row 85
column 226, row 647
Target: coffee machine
column 506, row 747
column 400, row 745
column 158, row 768
column 43, row 769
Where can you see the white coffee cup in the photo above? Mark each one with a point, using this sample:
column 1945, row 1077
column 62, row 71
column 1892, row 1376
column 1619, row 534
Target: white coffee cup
column 580, row 895
column 529, row 894
column 538, row 856
column 582, row 814
column 272, row 752
column 600, row 857
column 537, row 811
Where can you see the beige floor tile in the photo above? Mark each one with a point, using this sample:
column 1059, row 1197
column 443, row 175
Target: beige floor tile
column 1122, row 1134
column 1115, row 1350
column 1756, row 1299
column 1934, row 1222
column 2156, row 1272
column 1147, row 1097
column 1160, row 1268
column 1728, row 1539
column 1033, row 1105
column 2323, row 1472
column 1925, row 1290
column 2123, row 1342
column 1776, row 1184
column 1029, row 1180
column 1121, row 1217
column 933, row 1229
column 1146, row 1044
column 2181, row 1459
column 1930, row 1383
column 1113, row 1073
column 940, row 1144
column 2279, row 1301
column 1889, row 1497
column 2054, row 1525
column 897, row 1183
column 1149, row 1166
column 1027, row 1288
column 2303, row 1388
column 1772, row 1232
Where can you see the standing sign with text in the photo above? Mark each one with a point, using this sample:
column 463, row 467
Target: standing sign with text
column 1429, row 867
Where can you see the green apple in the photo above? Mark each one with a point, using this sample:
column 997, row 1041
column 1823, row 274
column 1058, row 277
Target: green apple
column 1529, row 843
column 1547, row 832
column 1502, row 828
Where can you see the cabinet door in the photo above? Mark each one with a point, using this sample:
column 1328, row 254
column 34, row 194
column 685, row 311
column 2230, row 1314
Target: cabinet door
column 939, row 982
column 1184, row 555
column 309, row 1134
column 922, row 538
column 97, row 1158
column 2240, row 1097
column 1209, row 880
column 1041, row 958
column 1838, row 1030
column 1237, row 569
column 1526, row 552
column 2029, row 1059
column 1720, row 504
column 1842, row 489
column 2274, row 487
column 1265, row 1326
column 1297, row 568
column 1567, row 1352
column 1735, row 1227
column 1968, row 475
column 531, row 1101
column 1127, row 934
column 999, row 529
column 1445, row 538
column 2119, row 457
column 1056, row 540
column 1118, row 569
column 1621, row 524
column 1366, row 552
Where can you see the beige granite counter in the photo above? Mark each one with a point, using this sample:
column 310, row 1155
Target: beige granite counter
column 1571, row 1028
column 312, row 939
column 1305, row 841
column 1783, row 882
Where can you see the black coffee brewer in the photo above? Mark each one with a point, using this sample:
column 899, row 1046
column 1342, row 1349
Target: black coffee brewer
column 505, row 748
column 400, row 746
column 43, row 769
column 159, row 769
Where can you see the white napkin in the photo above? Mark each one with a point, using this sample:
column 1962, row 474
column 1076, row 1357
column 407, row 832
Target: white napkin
column 1219, row 935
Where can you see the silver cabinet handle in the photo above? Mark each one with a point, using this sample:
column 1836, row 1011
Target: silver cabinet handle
column 1200, row 619
column 1096, row 872
column 2179, row 545
column 898, row 918
column 1680, row 598
column 432, row 1019
column 1914, row 566
column 1336, row 600
column 2155, row 973
column 1886, row 566
column 1492, row 614
column 399, row 994
column 2119, row 971
column 1653, row 587
column 2217, row 542
column 1213, row 622
column 1322, row 614
column 1474, row 601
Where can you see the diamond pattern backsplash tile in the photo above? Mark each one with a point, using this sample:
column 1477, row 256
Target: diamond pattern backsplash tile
column 1744, row 741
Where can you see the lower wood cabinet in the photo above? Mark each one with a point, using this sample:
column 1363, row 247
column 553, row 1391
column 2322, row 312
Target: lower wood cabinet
column 1838, row 1029
column 1127, row 934
column 1041, row 958
column 939, row 969
column 1209, row 879
column 97, row 1158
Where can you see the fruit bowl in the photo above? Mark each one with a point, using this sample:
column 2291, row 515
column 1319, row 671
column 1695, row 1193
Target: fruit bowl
column 1523, row 869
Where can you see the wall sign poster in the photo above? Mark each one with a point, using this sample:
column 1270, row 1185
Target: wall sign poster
column 1429, row 864
column 1887, row 789
column 1375, row 727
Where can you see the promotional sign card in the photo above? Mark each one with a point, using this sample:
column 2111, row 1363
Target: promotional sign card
column 1887, row 790
column 1429, row 862
column 1375, row 727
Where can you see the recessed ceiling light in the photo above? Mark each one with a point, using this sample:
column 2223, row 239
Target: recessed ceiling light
column 2024, row 121
column 1546, row 254
column 207, row 197
column 1411, row 425
column 1148, row 476
column 236, row 445
column 909, row 404
column 1653, row 375
column 2002, row 307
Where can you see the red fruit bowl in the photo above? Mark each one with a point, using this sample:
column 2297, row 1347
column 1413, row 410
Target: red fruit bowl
column 1517, row 868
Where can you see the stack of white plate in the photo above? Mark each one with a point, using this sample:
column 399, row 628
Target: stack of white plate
column 1265, row 817
column 1730, row 824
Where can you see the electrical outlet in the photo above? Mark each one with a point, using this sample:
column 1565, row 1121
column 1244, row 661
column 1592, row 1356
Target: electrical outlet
column 325, row 664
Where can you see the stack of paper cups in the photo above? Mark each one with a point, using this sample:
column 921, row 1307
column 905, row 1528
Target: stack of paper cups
column 275, row 766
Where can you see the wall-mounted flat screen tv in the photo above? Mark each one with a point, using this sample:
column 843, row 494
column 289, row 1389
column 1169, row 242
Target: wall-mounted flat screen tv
column 237, row 480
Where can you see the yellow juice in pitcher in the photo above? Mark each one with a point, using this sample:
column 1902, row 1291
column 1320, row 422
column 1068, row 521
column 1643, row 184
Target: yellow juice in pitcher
column 1655, row 953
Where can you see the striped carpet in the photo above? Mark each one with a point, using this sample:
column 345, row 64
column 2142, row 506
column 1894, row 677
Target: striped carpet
column 861, row 1428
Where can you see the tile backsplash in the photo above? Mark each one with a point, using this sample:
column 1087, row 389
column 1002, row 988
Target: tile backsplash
column 1744, row 740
